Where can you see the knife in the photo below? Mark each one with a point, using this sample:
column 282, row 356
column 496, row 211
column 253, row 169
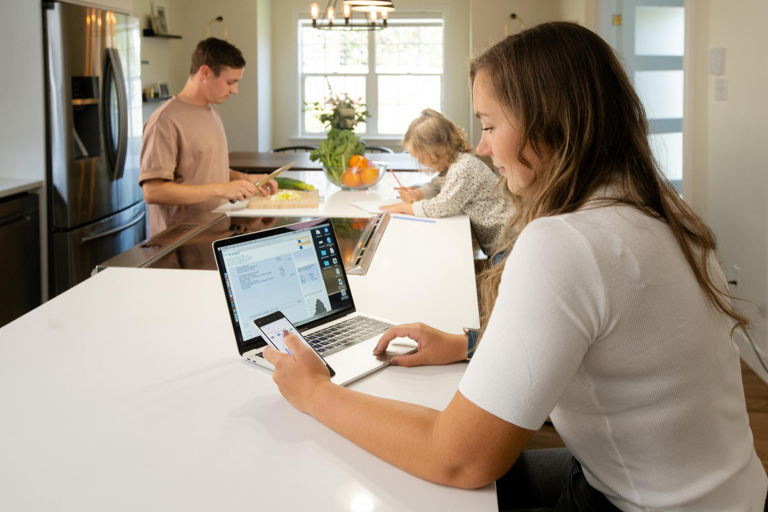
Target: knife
column 274, row 174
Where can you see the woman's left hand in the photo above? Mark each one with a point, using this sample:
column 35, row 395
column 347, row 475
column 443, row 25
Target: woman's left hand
column 298, row 375
column 398, row 208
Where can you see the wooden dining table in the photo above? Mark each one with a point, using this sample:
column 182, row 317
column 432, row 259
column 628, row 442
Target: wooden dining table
column 252, row 161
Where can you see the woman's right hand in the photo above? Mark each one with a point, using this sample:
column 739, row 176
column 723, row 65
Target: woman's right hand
column 434, row 346
column 410, row 194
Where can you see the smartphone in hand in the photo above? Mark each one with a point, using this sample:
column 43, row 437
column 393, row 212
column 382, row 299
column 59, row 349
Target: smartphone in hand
column 272, row 327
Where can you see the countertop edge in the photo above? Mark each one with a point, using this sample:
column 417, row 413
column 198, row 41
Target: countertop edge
column 11, row 186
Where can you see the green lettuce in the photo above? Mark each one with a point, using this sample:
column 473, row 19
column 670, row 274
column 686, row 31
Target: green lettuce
column 334, row 152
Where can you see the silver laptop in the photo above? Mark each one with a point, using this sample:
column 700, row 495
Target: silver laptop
column 298, row 269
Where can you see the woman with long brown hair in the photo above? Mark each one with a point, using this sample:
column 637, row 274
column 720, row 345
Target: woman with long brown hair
column 609, row 314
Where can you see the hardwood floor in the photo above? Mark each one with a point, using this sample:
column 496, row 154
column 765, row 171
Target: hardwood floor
column 756, row 392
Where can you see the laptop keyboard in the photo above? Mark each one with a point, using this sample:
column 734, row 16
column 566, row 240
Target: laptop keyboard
column 341, row 335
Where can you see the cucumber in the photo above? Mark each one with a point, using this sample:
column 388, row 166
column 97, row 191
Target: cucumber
column 290, row 183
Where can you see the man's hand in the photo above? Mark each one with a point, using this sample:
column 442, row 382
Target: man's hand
column 267, row 189
column 237, row 190
column 434, row 346
column 398, row 208
column 410, row 194
column 299, row 374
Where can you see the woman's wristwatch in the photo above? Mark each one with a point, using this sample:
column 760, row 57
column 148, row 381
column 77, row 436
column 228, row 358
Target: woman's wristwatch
column 473, row 336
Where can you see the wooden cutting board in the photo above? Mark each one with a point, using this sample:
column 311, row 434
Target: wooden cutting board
column 306, row 199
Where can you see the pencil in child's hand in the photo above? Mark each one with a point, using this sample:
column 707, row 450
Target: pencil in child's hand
column 396, row 178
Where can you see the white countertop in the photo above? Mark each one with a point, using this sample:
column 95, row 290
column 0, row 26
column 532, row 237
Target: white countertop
column 127, row 393
column 11, row 186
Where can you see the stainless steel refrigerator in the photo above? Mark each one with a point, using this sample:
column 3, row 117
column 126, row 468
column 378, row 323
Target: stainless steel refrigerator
column 94, row 123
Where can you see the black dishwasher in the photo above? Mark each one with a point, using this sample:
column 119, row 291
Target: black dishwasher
column 19, row 256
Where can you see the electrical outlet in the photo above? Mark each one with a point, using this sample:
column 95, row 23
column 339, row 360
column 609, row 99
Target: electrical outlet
column 721, row 89
column 736, row 273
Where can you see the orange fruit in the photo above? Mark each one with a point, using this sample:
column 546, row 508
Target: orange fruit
column 358, row 161
column 350, row 179
column 369, row 175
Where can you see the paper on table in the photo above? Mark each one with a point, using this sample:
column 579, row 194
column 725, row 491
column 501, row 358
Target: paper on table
column 372, row 206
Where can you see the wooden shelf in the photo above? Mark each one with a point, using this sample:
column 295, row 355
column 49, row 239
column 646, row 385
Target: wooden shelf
column 155, row 100
column 148, row 32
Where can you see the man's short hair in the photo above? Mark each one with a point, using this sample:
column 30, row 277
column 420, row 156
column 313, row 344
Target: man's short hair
column 216, row 53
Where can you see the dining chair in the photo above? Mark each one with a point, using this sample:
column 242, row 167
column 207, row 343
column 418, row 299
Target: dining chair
column 378, row 149
column 294, row 148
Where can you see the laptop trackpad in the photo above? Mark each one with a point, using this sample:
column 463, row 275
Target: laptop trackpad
column 358, row 360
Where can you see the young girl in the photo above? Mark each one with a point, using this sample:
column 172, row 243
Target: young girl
column 464, row 183
column 609, row 314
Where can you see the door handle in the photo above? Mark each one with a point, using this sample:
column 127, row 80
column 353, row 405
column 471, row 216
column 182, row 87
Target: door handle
column 14, row 219
column 112, row 231
column 113, row 77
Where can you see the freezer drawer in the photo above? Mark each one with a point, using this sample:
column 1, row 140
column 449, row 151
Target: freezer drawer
column 20, row 256
column 75, row 253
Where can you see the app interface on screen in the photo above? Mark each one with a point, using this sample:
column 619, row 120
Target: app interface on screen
column 274, row 331
column 301, row 274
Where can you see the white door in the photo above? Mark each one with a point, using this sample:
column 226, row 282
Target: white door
column 650, row 37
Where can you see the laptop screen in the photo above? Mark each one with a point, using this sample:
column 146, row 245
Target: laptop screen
column 295, row 269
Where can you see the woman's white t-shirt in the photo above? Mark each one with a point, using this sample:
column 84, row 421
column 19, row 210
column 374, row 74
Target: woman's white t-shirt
column 601, row 324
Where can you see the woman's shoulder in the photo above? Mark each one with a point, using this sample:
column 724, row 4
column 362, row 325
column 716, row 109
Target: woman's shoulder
column 580, row 224
column 599, row 230
column 549, row 231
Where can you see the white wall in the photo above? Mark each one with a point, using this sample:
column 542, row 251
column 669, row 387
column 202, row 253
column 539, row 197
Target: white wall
column 240, row 111
column 726, row 145
column 264, row 73
column 490, row 22
column 169, row 58
column 159, row 55
column 22, row 132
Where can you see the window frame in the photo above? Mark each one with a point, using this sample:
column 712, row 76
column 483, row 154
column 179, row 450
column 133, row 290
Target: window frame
column 371, row 77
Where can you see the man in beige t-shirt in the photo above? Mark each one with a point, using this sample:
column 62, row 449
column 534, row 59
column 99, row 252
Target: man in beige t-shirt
column 184, row 155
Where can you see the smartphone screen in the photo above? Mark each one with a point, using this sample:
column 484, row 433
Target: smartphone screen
column 272, row 327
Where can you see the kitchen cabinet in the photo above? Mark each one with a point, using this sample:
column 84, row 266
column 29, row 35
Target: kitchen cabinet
column 20, row 255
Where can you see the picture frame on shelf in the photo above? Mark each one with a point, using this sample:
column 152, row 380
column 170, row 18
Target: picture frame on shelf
column 161, row 20
column 164, row 91
column 153, row 23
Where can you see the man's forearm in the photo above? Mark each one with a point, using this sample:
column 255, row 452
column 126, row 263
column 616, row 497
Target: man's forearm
column 168, row 192
column 237, row 175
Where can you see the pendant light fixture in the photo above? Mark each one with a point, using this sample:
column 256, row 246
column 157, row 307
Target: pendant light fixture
column 375, row 17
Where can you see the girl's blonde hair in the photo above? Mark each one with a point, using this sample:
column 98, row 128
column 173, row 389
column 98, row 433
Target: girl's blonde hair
column 434, row 136
column 581, row 117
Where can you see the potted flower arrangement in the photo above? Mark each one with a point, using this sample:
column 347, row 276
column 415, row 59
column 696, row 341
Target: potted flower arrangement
column 341, row 153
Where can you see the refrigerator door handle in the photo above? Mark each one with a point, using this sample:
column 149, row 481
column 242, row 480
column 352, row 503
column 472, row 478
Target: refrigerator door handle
column 113, row 77
column 112, row 231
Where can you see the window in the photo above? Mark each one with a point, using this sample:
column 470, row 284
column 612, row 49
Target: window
column 396, row 71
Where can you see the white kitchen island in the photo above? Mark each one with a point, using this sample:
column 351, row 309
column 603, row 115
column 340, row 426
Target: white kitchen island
column 127, row 393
